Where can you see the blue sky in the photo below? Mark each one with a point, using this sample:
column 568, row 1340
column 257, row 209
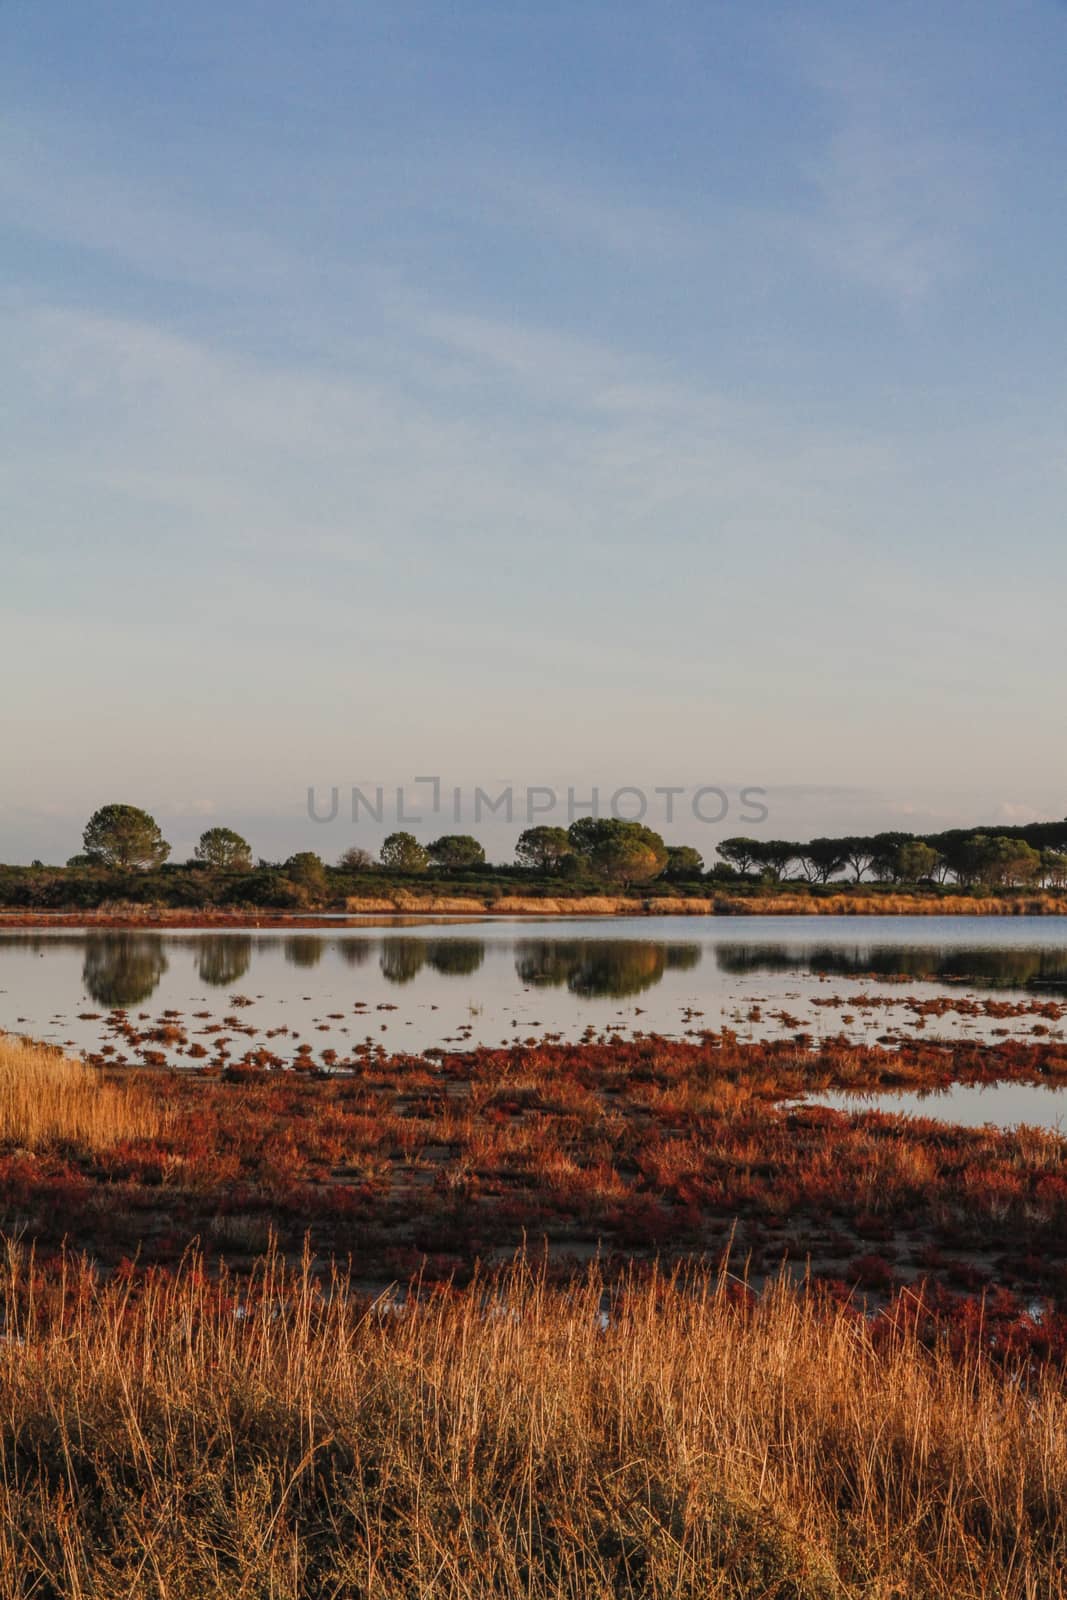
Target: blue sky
column 566, row 394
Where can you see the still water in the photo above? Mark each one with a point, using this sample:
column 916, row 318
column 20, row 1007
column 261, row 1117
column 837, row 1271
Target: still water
column 414, row 985
column 1006, row 1105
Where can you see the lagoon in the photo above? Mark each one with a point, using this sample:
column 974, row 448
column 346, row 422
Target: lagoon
column 412, row 985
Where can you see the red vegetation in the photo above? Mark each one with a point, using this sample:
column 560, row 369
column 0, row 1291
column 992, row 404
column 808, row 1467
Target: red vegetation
column 630, row 1149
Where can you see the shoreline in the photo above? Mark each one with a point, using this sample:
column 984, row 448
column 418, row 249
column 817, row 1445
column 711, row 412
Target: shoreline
column 357, row 910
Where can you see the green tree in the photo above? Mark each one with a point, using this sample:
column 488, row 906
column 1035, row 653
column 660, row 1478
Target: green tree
column 1054, row 868
column 822, row 859
column 1005, row 862
column 622, row 852
column 224, row 850
column 625, row 859
column 403, row 853
column 455, row 850
column 307, row 870
column 961, row 855
column 916, row 860
column 543, row 848
column 739, row 853
column 124, row 836
column 683, row 862
column 355, row 859
column 773, row 858
column 885, row 854
column 858, row 852
column 586, row 834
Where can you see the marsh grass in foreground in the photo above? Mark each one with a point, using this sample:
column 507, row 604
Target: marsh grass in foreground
column 163, row 1438
column 48, row 1098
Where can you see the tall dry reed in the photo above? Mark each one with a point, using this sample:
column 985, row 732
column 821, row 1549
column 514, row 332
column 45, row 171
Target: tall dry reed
column 505, row 1442
column 858, row 904
column 47, row 1098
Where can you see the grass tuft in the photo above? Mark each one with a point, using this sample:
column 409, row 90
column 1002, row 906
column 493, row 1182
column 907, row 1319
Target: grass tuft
column 47, row 1098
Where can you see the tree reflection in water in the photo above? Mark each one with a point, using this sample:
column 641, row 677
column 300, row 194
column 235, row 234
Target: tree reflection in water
column 223, row 958
column 599, row 968
column 122, row 969
column 402, row 959
column 1017, row 967
column 456, row 958
column 354, row 952
column 304, row 950
column 683, row 957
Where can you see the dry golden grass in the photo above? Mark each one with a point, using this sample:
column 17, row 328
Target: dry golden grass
column 374, row 905
column 401, row 900
column 404, row 902
column 891, row 905
column 504, row 1442
column 586, row 905
column 679, row 906
column 48, row 1098
column 508, row 905
column 786, row 903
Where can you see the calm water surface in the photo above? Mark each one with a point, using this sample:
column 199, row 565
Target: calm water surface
column 1006, row 1105
column 410, row 986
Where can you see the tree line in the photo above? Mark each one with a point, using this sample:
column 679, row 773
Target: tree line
column 1020, row 857
column 125, row 838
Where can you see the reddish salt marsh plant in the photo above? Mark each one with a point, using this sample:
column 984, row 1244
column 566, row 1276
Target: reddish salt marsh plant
column 643, row 1148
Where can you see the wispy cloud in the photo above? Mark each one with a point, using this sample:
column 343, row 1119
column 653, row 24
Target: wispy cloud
column 570, row 436
column 53, row 187
column 896, row 196
column 586, row 212
column 1016, row 812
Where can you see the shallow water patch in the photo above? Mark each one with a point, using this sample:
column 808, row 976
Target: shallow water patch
column 968, row 1105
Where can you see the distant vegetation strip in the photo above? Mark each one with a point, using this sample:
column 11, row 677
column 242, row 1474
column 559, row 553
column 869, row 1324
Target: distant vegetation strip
column 596, row 866
column 122, row 912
